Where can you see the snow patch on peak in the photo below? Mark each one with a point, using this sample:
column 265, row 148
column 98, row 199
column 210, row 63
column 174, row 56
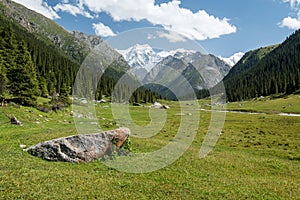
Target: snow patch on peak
column 177, row 52
column 142, row 57
column 232, row 60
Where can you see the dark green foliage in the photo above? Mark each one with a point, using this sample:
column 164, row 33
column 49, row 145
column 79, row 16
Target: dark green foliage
column 31, row 68
column 2, row 77
column 18, row 73
column 36, row 67
column 43, row 87
column 266, row 71
column 64, row 96
column 22, row 80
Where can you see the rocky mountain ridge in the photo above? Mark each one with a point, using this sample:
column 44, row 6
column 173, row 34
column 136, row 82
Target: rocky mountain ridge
column 75, row 44
column 171, row 69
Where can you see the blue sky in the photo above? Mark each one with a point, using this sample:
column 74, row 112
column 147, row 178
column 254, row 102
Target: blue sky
column 221, row 27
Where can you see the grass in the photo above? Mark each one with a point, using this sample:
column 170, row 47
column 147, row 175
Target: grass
column 269, row 105
column 256, row 157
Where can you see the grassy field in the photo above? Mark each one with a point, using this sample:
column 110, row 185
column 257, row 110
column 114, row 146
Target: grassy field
column 289, row 104
column 256, row 157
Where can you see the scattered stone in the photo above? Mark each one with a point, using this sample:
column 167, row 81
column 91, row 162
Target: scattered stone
column 165, row 107
column 136, row 104
column 102, row 101
column 80, row 148
column 156, row 105
column 43, row 109
column 14, row 120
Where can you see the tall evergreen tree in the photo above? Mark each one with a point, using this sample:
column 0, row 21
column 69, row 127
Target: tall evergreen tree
column 2, row 77
column 22, row 79
column 7, row 48
column 64, row 96
column 43, row 87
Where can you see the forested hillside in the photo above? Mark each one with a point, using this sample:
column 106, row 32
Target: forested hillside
column 46, row 30
column 266, row 71
column 30, row 67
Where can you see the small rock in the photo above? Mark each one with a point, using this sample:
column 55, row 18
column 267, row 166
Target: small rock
column 165, row 107
column 156, row 105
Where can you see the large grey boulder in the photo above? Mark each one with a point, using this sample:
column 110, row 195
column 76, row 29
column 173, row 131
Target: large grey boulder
column 80, row 148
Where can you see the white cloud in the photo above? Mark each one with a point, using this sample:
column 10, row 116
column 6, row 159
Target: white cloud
column 293, row 3
column 172, row 36
column 195, row 26
column 39, row 6
column 102, row 30
column 73, row 10
column 291, row 23
column 192, row 25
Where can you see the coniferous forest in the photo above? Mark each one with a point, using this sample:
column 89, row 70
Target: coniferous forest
column 30, row 67
column 265, row 71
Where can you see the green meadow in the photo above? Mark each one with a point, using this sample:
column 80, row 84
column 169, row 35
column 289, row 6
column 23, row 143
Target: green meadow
column 256, row 157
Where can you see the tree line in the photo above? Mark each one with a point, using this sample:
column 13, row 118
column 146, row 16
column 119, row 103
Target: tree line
column 278, row 72
column 31, row 67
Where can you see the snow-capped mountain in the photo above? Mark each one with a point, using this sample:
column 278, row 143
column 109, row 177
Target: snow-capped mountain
column 142, row 58
column 173, row 68
column 232, row 60
column 178, row 53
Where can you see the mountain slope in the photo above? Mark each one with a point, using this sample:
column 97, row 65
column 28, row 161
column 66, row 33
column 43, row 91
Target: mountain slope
column 55, row 70
column 73, row 43
column 249, row 60
column 141, row 58
column 266, row 71
column 232, row 60
column 185, row 70
column 28, row 62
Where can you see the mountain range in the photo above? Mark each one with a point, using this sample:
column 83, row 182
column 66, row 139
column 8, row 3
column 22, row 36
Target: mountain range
column 232, row 60
column 57, row 55
column 142, row 58
column 171, row 68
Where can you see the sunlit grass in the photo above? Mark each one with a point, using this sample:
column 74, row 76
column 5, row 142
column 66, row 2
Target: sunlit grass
column 256, row 157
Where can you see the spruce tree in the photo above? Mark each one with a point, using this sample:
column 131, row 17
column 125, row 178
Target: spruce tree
column 2, row 78
column 43, row 87
column 22, row 79
column 64, row 96
column 7, row 48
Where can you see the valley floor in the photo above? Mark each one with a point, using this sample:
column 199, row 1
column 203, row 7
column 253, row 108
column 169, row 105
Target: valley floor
column 256, row 156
